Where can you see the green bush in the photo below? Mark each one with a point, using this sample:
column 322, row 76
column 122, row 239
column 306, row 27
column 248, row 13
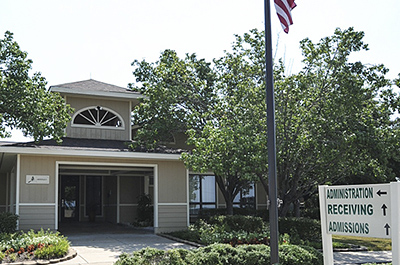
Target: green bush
column 41, row 244
column 249, row 224
column 56, row 250
column 226, row 229
column 223, row 254
column 154, row 256
column 300, row 229
column 297, row 255
column 8, row 222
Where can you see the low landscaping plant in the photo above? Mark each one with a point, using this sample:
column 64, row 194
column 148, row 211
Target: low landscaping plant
column 8, row 222
column 223, row 254
column 234, row 230
column 32, row 245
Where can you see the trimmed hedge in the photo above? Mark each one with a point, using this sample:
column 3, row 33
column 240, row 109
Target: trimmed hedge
column 300, row 228
column 249, row 224
column 8, row 222
column 223, row 254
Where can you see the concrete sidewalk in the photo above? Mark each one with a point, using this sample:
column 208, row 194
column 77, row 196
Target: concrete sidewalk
column 104, row 249
column 361, row 257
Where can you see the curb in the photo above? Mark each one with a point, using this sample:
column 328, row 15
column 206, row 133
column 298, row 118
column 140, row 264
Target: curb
column 197, row 245
column 70, row 255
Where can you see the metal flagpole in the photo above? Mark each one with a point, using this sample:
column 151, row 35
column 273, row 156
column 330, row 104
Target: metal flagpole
column 272, row 178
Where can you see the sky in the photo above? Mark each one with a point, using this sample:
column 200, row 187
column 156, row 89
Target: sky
column 77, row 40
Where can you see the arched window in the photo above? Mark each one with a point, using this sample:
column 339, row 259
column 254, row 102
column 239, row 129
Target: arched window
column 97, row 117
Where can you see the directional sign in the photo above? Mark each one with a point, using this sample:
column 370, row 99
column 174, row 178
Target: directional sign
column 358, row 210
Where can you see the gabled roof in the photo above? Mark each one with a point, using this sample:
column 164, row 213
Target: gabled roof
column 95, row 88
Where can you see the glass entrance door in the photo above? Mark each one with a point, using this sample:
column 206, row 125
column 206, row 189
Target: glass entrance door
column 69, row 198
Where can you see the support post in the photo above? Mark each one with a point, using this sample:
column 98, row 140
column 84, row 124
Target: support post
column 270, row 101
column 327, row 247
column 395, row 215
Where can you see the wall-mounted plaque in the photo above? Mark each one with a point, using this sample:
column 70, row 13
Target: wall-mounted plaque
column 37, row 179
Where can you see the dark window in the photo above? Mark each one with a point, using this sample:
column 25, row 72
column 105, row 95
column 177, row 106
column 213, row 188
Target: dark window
column 245, row 198
column 202, row 193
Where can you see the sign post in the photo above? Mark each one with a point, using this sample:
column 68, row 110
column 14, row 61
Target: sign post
column 369, row 210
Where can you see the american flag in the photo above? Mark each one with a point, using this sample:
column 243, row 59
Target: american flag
column 283, row 9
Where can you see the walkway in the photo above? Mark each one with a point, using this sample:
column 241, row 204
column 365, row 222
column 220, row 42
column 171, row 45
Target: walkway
column 101, row 244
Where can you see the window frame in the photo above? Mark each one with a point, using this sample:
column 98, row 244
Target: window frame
column 92, row 126
column 200, row 202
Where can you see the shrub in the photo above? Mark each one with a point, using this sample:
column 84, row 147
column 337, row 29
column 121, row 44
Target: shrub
column 154, row 256
column 249, row 224
column 8, row 222
column 41, row 244
column 56, row 250
column 223, row 254
column 297, row 255
column 145, row 209
column 300, row 228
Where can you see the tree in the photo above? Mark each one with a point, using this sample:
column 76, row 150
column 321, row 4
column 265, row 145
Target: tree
column 24, row 101
column 334, row 120
column 179, row 94
column 233, row 143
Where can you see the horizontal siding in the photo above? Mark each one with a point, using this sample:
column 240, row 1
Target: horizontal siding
column 36, row 217
column 172, row 217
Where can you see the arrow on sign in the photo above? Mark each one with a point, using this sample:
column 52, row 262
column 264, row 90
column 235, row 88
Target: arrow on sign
column 384, row 207
column 387, row 226
column 380, row 192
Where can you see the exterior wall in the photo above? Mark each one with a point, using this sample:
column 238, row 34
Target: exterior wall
column 36, row 217
column 38, row 205
column 122, row 108
column 3, row 192
column 261, row 197
column 173, row 202
column 172, row 218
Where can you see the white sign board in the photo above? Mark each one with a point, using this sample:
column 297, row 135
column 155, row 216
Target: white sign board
column 37, row 179
column 370, row 210
column 358, row 210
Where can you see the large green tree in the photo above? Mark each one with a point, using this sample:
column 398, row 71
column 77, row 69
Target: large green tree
column 179, row 95
column 334, row 119
column 25, row 103
column 233, row 143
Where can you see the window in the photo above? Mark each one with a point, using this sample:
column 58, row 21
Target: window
column 97, row 117
column 202, row 193
column 245, row 198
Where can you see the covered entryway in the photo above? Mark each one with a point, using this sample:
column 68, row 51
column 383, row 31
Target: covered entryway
column 103, row 193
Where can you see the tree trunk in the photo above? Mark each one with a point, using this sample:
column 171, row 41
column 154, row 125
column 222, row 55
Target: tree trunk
column 229, row 208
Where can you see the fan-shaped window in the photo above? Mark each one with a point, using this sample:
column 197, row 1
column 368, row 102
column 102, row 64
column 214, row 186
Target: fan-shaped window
column 97, row 117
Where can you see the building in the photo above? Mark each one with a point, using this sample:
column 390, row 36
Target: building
column 94, row 172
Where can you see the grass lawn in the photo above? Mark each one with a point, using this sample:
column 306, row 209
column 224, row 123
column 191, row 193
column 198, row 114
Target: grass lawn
column 373, row 244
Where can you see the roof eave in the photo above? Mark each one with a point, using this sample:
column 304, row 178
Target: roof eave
column 119, row 95
column 91, row 153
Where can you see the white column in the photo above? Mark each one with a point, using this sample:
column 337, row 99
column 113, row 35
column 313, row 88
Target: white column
column 17, row 187
column 327, row 247
column 395, row 213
